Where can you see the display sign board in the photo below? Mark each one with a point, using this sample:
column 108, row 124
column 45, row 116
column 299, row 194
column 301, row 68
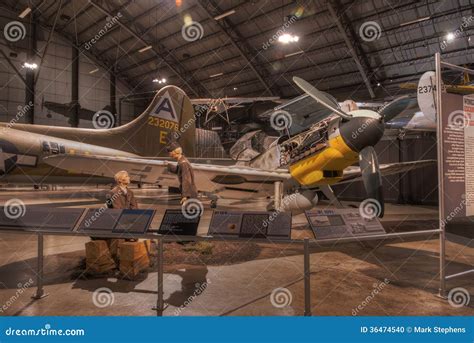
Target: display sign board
column 251, row 224
column 225, row 223
column 457, row 140
column 40, row 218
column 457, row 163
column 134, row 221
column 99, row 220
column 176, row 223
column 342, row 222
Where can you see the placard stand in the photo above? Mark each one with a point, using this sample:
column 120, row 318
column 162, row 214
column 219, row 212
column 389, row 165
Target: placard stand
column 307, row 279
column 160, row 305
column 39, row 271
column 161, row 239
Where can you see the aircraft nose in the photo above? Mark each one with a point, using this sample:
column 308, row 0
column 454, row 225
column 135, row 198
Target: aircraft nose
column 360, row 132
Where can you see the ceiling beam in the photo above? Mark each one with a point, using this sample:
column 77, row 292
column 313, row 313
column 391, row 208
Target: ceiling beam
column 421, row 59
column 309, row 36
column 104, row 18
column 103, row 63
column 158, row 23
column 172, row 63
column 240, row 44
column 76, row 16
column 50, row 36
column 309, row 19
column 363, row 70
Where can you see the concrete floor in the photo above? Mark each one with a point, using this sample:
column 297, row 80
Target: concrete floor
column 399, row 278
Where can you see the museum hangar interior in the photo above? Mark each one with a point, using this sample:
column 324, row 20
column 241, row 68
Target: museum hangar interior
column 219, row 158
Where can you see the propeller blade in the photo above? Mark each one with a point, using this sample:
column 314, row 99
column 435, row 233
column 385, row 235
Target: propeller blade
column 372, row 178
column 398, row 106
column 319, row 97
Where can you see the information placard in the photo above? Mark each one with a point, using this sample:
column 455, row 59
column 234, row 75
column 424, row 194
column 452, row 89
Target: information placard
column 40, row 218
column 342, row 222
column 134, row 221
column 176, row 223
column 99, row 220
column 251, row 224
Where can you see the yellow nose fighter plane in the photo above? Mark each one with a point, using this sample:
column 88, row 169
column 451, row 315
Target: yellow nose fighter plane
column 303, row 160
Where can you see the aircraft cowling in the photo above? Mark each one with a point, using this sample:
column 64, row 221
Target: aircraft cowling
column 297, row 203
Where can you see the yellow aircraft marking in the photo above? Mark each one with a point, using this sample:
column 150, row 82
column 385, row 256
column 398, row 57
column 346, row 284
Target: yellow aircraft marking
column 336, row 157
column 458, row 89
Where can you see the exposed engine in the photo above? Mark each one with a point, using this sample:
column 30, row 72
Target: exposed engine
column 305, row 143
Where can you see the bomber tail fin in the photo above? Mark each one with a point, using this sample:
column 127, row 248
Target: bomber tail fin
column 170, row 116
column 169, row 113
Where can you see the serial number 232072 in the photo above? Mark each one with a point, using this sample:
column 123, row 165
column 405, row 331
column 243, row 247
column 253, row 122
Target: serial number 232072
column 166, row 124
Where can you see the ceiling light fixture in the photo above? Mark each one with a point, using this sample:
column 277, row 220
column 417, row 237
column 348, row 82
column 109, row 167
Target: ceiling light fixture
column 215, row 75
column 415, row 21
column 94, row 71
column 287, row 38
column 294, row 53
column 31, row 66
column 156, row 80
column 145, row 48
column 225, row 14
column 25, row 12
column 450, row 36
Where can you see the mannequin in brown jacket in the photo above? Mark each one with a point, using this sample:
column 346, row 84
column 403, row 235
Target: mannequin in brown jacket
column 121, row 196
column 185, row 173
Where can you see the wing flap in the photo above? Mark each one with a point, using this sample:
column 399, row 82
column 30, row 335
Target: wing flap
column 208, row 177
column 354, row 173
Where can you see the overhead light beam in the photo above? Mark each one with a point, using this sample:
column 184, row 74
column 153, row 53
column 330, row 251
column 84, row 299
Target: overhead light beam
column 294, row 53
column 223, row 15
column 145, row 48
column 25, row 12
column 415, row 21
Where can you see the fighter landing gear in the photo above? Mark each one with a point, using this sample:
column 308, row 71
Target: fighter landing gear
column 213, row 203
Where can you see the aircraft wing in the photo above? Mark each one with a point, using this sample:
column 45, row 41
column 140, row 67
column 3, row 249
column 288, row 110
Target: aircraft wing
column 208, row 177
column 460, row 89
column 457, row 89
column 235, row 100
column 404, row 114
column 304, row 111
column 354, row 174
